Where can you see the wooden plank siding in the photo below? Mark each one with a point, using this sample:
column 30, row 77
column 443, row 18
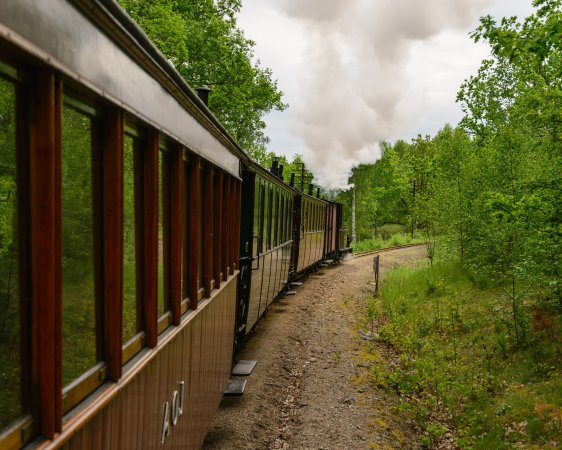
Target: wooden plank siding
column 198, row 352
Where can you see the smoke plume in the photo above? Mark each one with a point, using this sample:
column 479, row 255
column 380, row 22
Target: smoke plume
column 355, row 93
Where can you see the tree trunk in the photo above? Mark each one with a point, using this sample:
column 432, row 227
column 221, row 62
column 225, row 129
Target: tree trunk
column 353, row 235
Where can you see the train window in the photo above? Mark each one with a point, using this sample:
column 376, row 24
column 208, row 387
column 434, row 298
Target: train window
column 280, row 215
column 81, row 348
column 285, row 217
column 281, row 219
column 308, row 214
column 262, row 216
column 201, row 227
column 218, row 205
column 266, row 216
column 11, row 376
column 185, row 235
column 303, row 215
column 213, row 194
column 256, row 224
column 271, row 209
column 316, row 211
column 131, row 197
column 273, row 216
column 164, row 164
column 289, row 217
column 226, row 237
column 315, row 218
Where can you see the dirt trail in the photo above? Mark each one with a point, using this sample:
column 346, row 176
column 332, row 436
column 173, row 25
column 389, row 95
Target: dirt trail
column 310, row 388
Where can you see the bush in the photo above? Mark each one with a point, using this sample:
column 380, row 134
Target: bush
column 390, row 229
column 458, row 358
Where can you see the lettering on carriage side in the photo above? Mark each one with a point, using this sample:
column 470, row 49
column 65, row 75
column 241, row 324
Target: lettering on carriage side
column 175, row 411
column 165, row 423
column 175, row 408
column 182, row 391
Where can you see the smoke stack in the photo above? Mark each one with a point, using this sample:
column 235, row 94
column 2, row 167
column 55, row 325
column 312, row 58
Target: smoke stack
column 280, row 171
column 292, row 180
column 310, row 188
column 318, row 192
column 274, row 166
column 203, row 93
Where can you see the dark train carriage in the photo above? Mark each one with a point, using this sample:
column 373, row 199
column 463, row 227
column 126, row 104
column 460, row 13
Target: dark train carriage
column 266, row 243
column 310, row 233
column 119, row 202
column 336, row 245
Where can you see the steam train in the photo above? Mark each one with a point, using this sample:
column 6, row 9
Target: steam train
column 138, row 242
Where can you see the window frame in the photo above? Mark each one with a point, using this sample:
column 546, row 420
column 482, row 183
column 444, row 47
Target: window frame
column 95, row 376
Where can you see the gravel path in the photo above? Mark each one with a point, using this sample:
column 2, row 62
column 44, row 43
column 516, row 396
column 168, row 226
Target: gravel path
column 310, row 388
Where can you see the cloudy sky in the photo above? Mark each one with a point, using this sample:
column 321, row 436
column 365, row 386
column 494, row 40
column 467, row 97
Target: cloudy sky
column 358, row 72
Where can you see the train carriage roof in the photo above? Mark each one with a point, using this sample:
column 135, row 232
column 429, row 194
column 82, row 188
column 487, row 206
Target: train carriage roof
column 97, row 44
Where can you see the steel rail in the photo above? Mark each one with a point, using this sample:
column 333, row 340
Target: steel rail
column 381, row 250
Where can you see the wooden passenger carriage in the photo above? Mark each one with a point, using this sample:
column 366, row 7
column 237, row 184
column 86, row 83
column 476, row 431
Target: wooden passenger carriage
column 163, row 185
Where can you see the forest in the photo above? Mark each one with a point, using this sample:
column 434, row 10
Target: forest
column 479, row 326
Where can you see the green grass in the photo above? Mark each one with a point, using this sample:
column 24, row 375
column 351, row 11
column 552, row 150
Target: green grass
column 379, row 243
column 460, row 364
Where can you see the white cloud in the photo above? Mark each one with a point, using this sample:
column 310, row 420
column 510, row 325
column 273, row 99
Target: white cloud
column 358, row 72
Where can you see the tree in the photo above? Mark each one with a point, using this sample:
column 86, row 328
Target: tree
column 513, row 110
column 201, row 39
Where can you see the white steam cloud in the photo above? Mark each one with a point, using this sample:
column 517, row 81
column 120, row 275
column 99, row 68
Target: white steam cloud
column 355, row 92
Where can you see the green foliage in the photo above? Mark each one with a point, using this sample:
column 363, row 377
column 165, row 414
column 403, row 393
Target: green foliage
column 77, row 228
column 10, row 403
column 459, row 358
column 201, row 39
column 489, row 191
column 390, row 229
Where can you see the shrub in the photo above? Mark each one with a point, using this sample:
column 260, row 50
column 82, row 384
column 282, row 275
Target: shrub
column 390, row 229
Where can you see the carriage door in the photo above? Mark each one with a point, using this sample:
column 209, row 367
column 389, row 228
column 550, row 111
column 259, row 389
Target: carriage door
column 246, row 248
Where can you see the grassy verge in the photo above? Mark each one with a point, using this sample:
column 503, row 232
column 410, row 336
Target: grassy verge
column 379, row 243
column 459, row 365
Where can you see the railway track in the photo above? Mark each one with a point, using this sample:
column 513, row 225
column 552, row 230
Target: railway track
column 397, row 247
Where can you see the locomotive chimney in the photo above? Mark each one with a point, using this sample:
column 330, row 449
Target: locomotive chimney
column 318, row 192
column 292, row 180
column 280, row 171
column 274, row 167
column 203, row 93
